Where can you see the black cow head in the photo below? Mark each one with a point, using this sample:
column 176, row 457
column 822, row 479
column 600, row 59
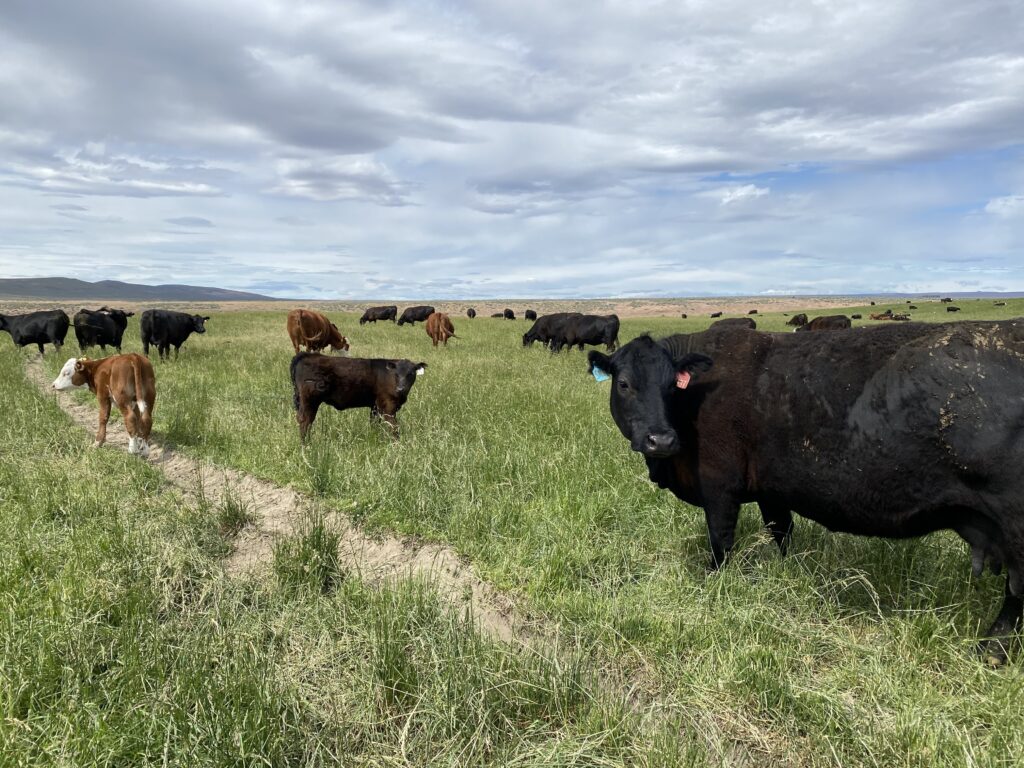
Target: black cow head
column 198, row 323
column 401, row 375
column 645, row 378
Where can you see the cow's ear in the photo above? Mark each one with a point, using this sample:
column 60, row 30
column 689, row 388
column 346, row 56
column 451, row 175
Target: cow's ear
column 80, row 363
column 689, row 366
column 421, row 368
column 129, row 314
column 600, row 361
column 206, row 318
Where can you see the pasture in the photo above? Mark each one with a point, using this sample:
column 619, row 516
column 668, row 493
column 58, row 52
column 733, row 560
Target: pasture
column 125, row 643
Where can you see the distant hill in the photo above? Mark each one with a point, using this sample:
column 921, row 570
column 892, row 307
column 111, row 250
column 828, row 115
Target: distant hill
column 63, row 288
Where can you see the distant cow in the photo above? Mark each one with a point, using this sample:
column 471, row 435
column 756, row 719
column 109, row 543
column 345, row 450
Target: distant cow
column 910, row 428
column 735, row 322
column 508, row 314
column 165, row 328
column 47, row 327
column 716, row 314
column 498, row 314
column 872, row 303
column 683, row 315
column 911, row 306
column 351, row 382
column 373, row 314
column 471, row 313
column 951, row 308
column 999, row 304
column 314, row 331
column 946, row 300
column 413, row 315
column 547, row 327
column 530, row 314
column 887, row 315
column 827, row 323
column 578, row 330
column 797, row 320
column 98, row 328
column 752, row 312
column 124, row 380
column 440, row 328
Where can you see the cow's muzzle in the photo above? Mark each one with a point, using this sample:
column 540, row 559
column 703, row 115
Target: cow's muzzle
column 657, row 445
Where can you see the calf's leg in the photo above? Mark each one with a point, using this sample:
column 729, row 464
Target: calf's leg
column 101, row 431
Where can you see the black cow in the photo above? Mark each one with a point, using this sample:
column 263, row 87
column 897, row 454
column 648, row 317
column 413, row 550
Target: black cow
column 856, row 317
column 951, row 308
column 912, row 428
column 498, row 314
column 999, row 304
column 165, row 328
column 827, row 323
column 46, row 327
column 577, row 330
column 752, row 312
column 530, row 314
column 98, row 328
column 683, row 315
column 413, row 315
column 735, row 322
column 547, row 327
column 716, row 314
column 373, row 314
column 470, row 313
column 508, row 314
column 797, row 320
column 911, row 306
column 351, row 382
column 946, row 300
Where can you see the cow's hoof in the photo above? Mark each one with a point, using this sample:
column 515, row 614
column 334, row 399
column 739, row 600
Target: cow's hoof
column 994, row 651
column 143, row 449
column 96, row 444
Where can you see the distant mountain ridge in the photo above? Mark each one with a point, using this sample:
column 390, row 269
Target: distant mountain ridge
column 62, row 288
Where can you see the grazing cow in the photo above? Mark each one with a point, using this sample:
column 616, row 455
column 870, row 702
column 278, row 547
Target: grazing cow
column 827, row 323
column 887, row 315
column 101, row 327
column 498, row 314
column 684, row 315
column 351, row 382
column 413, row 315
column 999, row 304
column 752, row 312
column 164, row 328
column 314, row 331
column 735, row 322
column 530, row 314
column 547, row 327
column 373, row 314
column 911, row 306
column 471, row 313
column 946, row 300
column 126, row 381
column 872, row 303
column 912, row 428
column 508, row 314
column 47, row 327
column 797, row 320
column 716, row 314
column 440, row 328
column 577, row 330
column 899, row 316
column 856, row 317
column 951, row 308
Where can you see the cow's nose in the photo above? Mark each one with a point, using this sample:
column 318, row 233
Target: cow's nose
column 660, row 443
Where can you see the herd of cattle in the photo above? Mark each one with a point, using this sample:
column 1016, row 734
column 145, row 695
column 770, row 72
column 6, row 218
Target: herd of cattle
column 894, row 430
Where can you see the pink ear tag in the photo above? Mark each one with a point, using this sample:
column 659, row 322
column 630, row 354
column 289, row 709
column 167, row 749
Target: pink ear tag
column 682, row 379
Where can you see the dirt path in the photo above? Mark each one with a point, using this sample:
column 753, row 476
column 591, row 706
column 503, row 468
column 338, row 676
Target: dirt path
column 280, row 511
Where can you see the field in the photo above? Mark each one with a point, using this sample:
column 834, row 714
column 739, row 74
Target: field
column 126, row 643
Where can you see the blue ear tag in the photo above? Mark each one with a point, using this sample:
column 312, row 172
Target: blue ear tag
column 599, row 375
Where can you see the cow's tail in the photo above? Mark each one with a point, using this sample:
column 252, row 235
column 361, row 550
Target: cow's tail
column 140, row 399
column 295, row 383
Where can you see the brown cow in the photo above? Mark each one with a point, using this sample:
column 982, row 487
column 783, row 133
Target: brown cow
column 315, row 331
column 123, row 380
column 440, row 328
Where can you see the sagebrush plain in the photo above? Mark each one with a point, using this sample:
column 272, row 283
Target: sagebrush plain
column 125, row 643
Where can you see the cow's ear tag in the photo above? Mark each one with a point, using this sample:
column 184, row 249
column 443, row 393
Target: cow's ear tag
column 420, row 371
column 682, row 379
column 599, row 375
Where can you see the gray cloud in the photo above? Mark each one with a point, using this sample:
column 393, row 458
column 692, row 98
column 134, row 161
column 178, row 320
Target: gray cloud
column 189, row 221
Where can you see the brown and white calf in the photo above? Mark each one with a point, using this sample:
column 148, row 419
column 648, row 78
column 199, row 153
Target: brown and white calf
column 126, row 381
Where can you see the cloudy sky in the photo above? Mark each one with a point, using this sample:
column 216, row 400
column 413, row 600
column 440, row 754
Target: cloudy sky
column 515, row 148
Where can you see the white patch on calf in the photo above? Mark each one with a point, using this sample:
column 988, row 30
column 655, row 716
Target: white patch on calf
column 141, row 404
column 63, row 380
column 132, row 445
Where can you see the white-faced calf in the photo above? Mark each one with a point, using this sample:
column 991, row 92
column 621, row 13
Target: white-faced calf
column 126, row 381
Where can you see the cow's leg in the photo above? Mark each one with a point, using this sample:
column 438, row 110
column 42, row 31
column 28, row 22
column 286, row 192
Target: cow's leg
column 721, row 515
column 131, row 424
column 145, row 347
column 779, row 521
column 177, row 350
column 1000, row 636
column 101, row 431
column 41, row 350
column 306, row 415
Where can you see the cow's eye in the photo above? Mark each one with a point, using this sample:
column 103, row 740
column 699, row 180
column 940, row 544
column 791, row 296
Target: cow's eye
column 623, row 384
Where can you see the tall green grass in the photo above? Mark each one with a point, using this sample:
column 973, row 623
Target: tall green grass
column 849, row 652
